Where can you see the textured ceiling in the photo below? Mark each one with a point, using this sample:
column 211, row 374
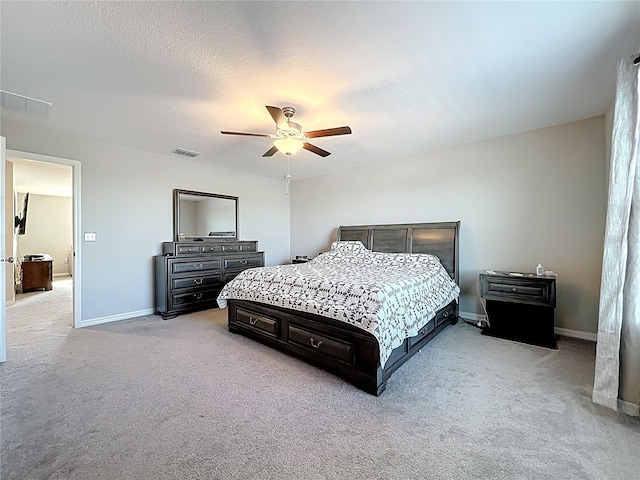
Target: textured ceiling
column 407, row 77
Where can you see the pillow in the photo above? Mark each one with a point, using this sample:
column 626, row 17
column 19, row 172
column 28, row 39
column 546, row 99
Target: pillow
column 349, row 247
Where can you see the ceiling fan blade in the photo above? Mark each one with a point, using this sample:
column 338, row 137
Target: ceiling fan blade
column 316, row 150
column 328, row 132
column 246, row 134
column 270, row 152
column 278, row 117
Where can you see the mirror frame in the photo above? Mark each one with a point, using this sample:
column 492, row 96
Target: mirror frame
column 176, row 215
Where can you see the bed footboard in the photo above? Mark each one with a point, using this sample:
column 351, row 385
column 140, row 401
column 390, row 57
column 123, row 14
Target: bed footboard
column 340, row 348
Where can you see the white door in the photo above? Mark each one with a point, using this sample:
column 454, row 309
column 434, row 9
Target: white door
column 3, row 259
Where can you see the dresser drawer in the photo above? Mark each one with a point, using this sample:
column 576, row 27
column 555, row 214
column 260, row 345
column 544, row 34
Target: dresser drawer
column 195, row 266
column 258, row 322
column 242, row 263
column 529, row 290
column 183, row 299
column 239, row 247
column 322, row 344
column 188, row 249
column 199, row 281
column 215, row 248
column 206, row 247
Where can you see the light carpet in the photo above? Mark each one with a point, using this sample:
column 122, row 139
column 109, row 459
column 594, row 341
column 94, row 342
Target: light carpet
column 185, row 399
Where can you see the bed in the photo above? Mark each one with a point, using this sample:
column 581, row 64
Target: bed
column 367, row 347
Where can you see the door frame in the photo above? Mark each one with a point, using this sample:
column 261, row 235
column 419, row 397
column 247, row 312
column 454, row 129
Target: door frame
column 77, row 245
column 3, row 275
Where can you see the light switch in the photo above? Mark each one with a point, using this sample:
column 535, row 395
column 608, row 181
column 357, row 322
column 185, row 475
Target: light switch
column 90, row 236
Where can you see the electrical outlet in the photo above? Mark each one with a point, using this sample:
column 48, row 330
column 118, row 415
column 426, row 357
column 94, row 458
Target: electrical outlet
column 90, row 236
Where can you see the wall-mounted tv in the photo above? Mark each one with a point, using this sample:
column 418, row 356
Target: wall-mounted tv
column 21, row 221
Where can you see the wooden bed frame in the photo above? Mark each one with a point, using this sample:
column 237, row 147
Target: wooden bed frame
column 341, row 348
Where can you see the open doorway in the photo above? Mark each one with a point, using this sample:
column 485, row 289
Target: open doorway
column 42, row 245
column 71, row 272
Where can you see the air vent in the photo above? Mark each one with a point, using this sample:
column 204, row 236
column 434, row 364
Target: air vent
column 28, row 105
column 185, row 152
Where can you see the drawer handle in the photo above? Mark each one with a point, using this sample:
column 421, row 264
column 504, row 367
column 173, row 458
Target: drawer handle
column 446, row 314
column 197, row 295
column 253, row 321
column 188, row 249
column 197, row 265
column 198, row 281
column 243, row 262
column 229, row 248
column 315, row 345
column 240, row 248
column 514, row 289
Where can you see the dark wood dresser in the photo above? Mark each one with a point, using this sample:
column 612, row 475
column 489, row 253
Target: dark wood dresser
column 189, row 275
column 520, row 307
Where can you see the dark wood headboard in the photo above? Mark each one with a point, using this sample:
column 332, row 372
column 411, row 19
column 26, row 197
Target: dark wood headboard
column 440, row 239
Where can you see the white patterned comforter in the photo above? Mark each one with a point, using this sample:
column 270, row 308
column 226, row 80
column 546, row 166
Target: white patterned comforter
column 390, row 295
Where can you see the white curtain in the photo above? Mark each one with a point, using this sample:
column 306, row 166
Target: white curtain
column 617, row 374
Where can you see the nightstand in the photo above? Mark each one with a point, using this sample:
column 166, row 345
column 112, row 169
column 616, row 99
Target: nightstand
column 37, row 274
column 300, row 260
column 520, row 308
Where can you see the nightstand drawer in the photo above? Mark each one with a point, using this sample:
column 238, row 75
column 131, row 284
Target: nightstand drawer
column 529, row 290
column 509, row 288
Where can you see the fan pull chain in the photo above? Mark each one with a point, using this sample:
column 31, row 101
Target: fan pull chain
column 287, row 177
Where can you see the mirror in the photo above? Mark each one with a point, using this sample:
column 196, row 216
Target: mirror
column 204, row 216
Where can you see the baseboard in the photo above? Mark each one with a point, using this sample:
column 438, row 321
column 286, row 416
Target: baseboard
column 629, row 408
column 472, row 316
column 565, row 332
column 114, row 318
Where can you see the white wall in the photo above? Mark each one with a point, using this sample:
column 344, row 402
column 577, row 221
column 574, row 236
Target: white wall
column 533, row 197
column 49, row 229
column 522, row 199
column 127, row 199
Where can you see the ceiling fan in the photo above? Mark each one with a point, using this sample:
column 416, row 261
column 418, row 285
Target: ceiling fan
column 289, row 137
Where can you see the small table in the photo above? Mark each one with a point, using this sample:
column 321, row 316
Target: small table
column 37, row 274
column 520, row 307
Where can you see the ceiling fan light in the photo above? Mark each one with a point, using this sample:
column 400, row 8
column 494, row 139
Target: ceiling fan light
column 288, row 146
